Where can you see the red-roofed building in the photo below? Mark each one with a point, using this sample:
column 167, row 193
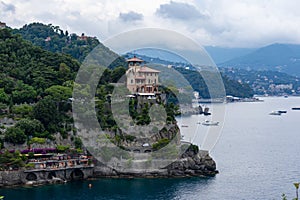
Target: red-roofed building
column 2, row 25
column 140, row 78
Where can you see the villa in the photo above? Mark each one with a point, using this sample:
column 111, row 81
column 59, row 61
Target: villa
column 140, row 78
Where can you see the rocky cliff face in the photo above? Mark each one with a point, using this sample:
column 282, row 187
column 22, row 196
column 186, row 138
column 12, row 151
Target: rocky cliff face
column 191, row 163
column 10, row 178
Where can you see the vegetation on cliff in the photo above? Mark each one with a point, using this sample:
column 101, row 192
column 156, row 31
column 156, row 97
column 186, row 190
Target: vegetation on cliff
column 37, row 76
column 53, row 38
column 34, row 90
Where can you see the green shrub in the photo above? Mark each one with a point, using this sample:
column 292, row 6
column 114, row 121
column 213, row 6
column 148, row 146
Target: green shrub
column 29, row 166
column 77, row 143
column 160, row 144
column 130, row 138
column 62, row 148
column 37, row 140
column 31, row 155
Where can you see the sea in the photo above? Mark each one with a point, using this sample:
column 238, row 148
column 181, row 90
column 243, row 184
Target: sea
column 257, row 155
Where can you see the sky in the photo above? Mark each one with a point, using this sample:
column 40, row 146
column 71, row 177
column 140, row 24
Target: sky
column 224, row 23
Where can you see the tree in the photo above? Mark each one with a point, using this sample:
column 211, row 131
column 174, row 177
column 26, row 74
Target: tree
column 59, row 93
column 15, row 135
column 78, row 143
column 46, row 111
column 30, row 127
column 4, row 98
column 117, row 73
column 23, row 110
column 23, row 93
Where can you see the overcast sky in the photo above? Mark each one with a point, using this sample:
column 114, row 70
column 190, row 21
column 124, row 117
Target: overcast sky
column 227, row 23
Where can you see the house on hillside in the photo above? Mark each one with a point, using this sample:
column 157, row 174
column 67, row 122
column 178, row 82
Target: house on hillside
column 2, row 25
column 140, row 78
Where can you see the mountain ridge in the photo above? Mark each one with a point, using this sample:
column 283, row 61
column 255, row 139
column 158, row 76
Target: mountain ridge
column 277, row 57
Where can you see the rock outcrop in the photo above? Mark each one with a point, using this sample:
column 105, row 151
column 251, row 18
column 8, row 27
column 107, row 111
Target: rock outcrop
column 191, row 163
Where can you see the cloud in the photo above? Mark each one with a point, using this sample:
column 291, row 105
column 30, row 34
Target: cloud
column 233, row 23
column 177, row 10
column 7, row 7
column 131, row 16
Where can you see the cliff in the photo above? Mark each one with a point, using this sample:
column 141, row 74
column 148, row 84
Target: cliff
column 191, row 163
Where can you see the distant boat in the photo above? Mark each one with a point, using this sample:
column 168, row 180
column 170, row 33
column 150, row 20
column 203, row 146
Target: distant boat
column 275, row 113
column 296, row 108
column 184, row 126
column 286, row 96
column 282, row 111
column 210, row 123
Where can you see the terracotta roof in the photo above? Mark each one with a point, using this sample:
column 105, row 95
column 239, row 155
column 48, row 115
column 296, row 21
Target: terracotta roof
column 134, row 59
column 147, row 69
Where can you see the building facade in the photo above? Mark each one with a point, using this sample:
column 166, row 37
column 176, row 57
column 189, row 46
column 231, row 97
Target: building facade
column 2, row 25
column 140, row 78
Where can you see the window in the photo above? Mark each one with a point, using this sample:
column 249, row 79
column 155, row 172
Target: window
column 131, row 80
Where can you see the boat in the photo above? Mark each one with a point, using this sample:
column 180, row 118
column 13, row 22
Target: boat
column 282, row 111
column 296, row 108
column 210, row 123
column 184, row 126
column 275, row 113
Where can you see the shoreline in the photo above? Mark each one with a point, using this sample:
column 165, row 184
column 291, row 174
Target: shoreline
column 191, row 164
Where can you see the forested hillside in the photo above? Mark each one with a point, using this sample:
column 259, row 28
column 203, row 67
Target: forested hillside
column 54, row 39
column 35, row 90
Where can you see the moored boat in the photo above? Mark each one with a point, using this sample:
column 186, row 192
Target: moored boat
column 275, row 113
column 210, row 123
column 282, row 111
column 296, row 108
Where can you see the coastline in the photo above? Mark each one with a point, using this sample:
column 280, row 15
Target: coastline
column 191, row 164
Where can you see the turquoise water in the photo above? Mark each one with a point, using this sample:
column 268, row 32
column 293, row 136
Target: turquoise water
column 257, row 156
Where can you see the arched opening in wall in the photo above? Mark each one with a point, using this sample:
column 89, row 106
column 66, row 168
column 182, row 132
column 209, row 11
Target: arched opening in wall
column 148, row 151
column 136, row 151
column 77, row 174
column 51, row 175
column 31, row 177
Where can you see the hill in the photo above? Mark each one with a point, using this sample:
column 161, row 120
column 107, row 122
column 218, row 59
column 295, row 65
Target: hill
column 222, row 54
column 22, row 61
column 54, row 39
column 35, row 90
column 276, row 57
column 265, row 82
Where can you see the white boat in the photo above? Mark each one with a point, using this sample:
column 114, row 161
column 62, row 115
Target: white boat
column 210, row 123
column 275, row 113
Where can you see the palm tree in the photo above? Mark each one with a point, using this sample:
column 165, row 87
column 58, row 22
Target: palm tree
column 297, row 187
